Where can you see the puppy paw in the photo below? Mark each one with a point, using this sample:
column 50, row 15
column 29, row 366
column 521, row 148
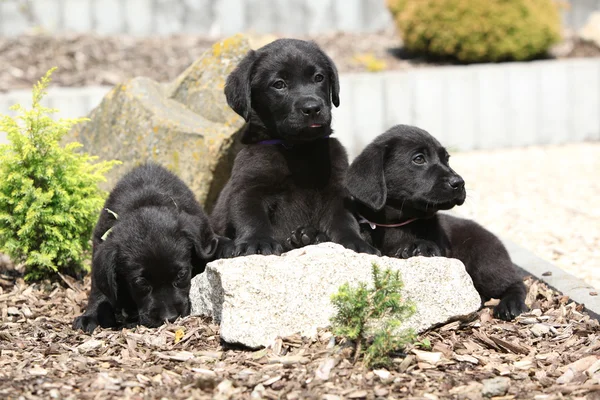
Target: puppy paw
column 227, row 248
column 360, row 246
column 86, row 323
column 264, row 246
column 423, row 248
column 510, row 307
column 305, row 236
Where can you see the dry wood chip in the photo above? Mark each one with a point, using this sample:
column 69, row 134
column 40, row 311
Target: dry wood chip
column 257, row 355
column 289, row 360
column 359, row 394
column 524, row 364
column 90, row 345
column 405, row 363
column 175, row 355
column 38, row 371
column 466, row 358
column 383, row 374
column 582, row 364
column 450, row 327
column 513, row 347
column 217, row 355
column 427, row 356
column 271, row 381
column 325, row 368
column 484, row 338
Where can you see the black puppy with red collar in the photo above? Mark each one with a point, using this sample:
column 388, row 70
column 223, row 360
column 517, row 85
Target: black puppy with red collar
column 399, row 183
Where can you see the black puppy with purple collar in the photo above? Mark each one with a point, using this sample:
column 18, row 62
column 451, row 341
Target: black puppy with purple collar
column 290, row 173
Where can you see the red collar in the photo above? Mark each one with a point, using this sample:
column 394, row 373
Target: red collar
column 374, row 225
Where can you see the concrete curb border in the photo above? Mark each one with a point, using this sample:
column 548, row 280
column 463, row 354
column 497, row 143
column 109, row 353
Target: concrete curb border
column 569, row 285
column 483, row 106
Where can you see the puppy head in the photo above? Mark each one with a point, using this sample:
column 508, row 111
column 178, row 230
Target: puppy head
column 408, row 169
column 152, row 254
column 287, row 87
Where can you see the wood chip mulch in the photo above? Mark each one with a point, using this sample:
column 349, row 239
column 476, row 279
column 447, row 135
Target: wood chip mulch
column 552, row 352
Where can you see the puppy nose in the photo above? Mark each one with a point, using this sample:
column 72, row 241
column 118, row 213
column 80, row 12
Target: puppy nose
column 169, row 316
column 310, row 108
column 163, row 315
column 456, row 182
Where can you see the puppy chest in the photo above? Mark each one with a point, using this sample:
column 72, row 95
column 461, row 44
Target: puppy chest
column 291, row 209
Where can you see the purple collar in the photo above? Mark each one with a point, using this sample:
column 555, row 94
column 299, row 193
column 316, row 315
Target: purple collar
column 271, row 141
column 281, row 142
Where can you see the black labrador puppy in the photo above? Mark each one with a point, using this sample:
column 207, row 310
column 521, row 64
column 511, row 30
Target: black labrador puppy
column 291, row 173
column 151, row 237
column 399, row 182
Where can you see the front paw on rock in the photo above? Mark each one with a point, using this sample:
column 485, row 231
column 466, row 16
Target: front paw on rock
column 421, row 248
column 360, row 246
column 305, row 236
column 264, row 246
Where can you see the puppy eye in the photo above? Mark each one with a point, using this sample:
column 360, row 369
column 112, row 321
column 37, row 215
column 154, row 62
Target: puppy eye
column 182, row 280
column 319, row 78
column 279, row 84
column 182, row 274
column 419, row 159
column 142, row 285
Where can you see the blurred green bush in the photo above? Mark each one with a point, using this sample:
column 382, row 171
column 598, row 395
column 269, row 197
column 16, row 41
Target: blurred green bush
column 478, row 30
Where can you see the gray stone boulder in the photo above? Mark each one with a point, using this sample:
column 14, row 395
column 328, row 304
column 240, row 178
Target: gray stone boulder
column 185, row 125
column 257, row 298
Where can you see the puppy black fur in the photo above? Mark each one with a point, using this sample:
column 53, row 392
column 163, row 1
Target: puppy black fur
column 404, row 174
column 285, row 91
column 159, row 238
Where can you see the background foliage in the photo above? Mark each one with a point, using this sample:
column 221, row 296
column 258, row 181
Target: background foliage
column 476, row 30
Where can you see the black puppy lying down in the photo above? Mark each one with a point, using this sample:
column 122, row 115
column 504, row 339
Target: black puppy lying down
column 290, row 173
column 399, row 182
column 152, row 236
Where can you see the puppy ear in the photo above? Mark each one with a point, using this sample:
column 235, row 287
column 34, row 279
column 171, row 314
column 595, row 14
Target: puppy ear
column 335, row 82
column 198, row 230
column 104, row 270
column 366, row 179
column 237, row 87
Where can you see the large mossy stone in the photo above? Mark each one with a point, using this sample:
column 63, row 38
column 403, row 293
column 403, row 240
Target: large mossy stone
column 185, row 125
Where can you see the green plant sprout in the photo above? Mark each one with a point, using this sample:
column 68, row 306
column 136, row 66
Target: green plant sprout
column 371, row 317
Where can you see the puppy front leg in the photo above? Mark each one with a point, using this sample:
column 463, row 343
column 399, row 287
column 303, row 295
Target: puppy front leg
column 254, row 232
column 99, row 312
column 344, row 229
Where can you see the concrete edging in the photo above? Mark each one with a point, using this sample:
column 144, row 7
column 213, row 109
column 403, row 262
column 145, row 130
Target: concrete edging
column 556, row 278
column 484, row 106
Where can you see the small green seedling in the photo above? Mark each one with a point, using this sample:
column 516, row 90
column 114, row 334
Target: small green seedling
column 371, row 316
column 425, row 344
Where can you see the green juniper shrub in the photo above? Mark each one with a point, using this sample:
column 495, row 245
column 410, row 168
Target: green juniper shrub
column 370, row 316
column 49, row 194
column 478, row 30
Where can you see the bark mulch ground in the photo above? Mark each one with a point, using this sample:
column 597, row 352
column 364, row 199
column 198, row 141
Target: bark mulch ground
column 90, row 59
column 553, row 352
